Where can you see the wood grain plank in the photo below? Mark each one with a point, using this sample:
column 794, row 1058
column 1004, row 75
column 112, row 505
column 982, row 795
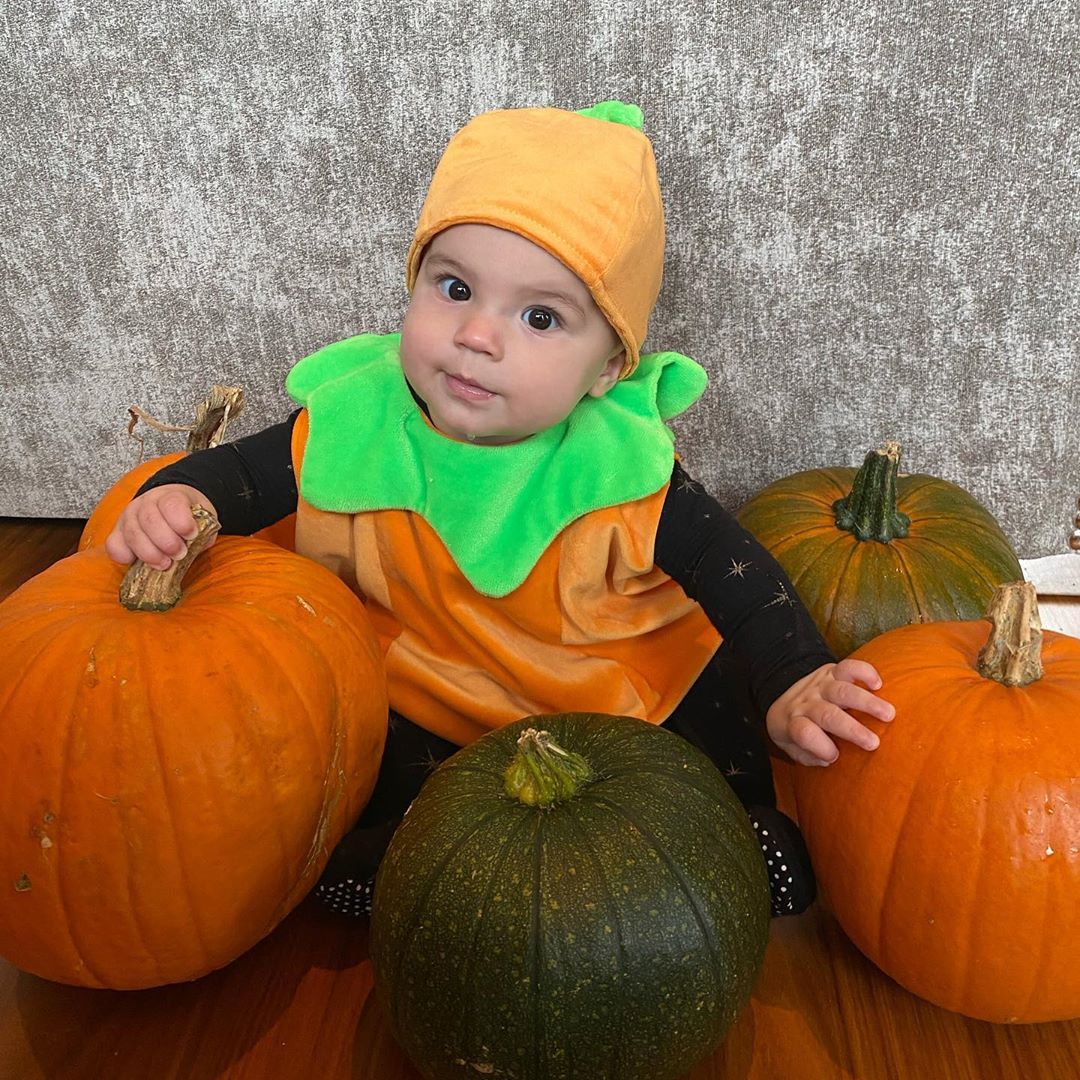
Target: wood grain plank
column 28, row 546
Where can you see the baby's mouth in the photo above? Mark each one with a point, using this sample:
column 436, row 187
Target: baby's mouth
column 466, row 388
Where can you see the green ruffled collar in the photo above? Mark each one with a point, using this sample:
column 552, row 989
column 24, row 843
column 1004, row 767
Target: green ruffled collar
column 496, row 508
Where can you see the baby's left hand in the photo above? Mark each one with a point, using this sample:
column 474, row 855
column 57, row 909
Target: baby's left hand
column 798, row 720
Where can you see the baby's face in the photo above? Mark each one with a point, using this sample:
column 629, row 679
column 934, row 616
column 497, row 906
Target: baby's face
column 501, row 340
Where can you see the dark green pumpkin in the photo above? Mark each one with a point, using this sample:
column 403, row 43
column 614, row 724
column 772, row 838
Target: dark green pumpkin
column 615, row 934
column 872, row 549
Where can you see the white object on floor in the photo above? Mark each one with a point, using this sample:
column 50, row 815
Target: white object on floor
column 1054, row 575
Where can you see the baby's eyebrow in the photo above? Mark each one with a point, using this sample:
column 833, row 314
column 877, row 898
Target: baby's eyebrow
column 558, row 297
column 443, row 262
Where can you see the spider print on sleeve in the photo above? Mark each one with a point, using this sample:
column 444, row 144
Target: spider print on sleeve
column 429, row 762
column 782, row 596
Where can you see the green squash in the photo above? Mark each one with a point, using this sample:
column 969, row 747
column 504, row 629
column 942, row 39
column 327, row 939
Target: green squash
column 872, row 549
column 589, row 903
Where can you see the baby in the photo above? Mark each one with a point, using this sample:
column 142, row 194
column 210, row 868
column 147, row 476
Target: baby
column 499, row 484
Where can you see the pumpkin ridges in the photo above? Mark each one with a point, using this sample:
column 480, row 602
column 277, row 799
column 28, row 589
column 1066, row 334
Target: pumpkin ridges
column 465, row 1018
column 804, row 573
column 334, row 789
column 74, row 804
column 137, row 739
column 831, row 605
column 896, row 843
column 222, row 596
column 947, row 553
column 175, row 849
column 919, row 600
column 927, row 497
column 615, row 920
column 707, row 936
column 1039, row 970
column 59, row 812
column 318, row 848
column 871, row 562
column 953, row 586
column 989, row 881
column 998, row 562
column 795, row 484
column 987, row 870
column 187, row 848
column 432, row 875
column 535, row 997
column 58, row 801
column 242, row 735
column 255, row 639
column 703, row 817
column 962, row 973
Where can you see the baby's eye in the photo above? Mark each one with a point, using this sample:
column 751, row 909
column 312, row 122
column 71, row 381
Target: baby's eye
column 540, row 318
column 454, row 288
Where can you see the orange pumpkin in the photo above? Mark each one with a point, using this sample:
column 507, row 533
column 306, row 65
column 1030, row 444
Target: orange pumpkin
column 951, row 854
column 212, row 417
column 173, row 781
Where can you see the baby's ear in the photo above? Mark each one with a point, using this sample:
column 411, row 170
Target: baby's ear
column 609, row 376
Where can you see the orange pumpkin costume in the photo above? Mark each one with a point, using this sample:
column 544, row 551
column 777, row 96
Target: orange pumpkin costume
column 558, row 605
column 550, row 604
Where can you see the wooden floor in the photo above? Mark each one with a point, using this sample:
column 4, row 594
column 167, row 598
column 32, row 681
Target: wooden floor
column 300, row 1004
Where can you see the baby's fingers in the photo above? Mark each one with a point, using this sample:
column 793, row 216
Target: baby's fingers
column 849, row 696
column 857, row 671
column 118, row 549
column 175, row 511
column 843, row 725
column 811, row 745
column 160, row 542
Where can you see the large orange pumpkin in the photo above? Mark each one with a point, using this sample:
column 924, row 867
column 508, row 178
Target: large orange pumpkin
column 172, row 781
column 212, row 417
column 871, row 549
column 951, row 854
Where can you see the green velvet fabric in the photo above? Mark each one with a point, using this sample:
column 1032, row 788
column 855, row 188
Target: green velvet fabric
column 496, row 508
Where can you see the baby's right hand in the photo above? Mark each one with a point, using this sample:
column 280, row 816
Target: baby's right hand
column 156, row 526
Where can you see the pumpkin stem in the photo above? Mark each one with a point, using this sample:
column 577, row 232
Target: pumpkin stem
column 212, row 416
column 542, row 772
column 869, row 509
column 1012, row 654
column 147, row 589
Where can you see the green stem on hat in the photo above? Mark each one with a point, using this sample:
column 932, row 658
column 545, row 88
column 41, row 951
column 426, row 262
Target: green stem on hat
column 869, row 509
column 618, row 112
column 542, row 772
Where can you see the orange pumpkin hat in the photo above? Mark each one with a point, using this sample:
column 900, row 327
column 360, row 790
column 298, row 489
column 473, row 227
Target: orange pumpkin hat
column 581, row 185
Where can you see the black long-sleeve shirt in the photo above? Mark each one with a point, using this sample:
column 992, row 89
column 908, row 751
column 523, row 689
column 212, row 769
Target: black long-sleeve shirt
column 743, row 590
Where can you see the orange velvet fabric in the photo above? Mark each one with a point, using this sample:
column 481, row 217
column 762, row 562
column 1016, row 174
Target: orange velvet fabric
column 595, row 626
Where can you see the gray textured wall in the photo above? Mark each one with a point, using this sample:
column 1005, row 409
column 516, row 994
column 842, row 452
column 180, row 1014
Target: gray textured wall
column 872, row 216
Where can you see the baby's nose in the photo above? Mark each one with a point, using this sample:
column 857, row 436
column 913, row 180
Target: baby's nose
column 480, row 333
